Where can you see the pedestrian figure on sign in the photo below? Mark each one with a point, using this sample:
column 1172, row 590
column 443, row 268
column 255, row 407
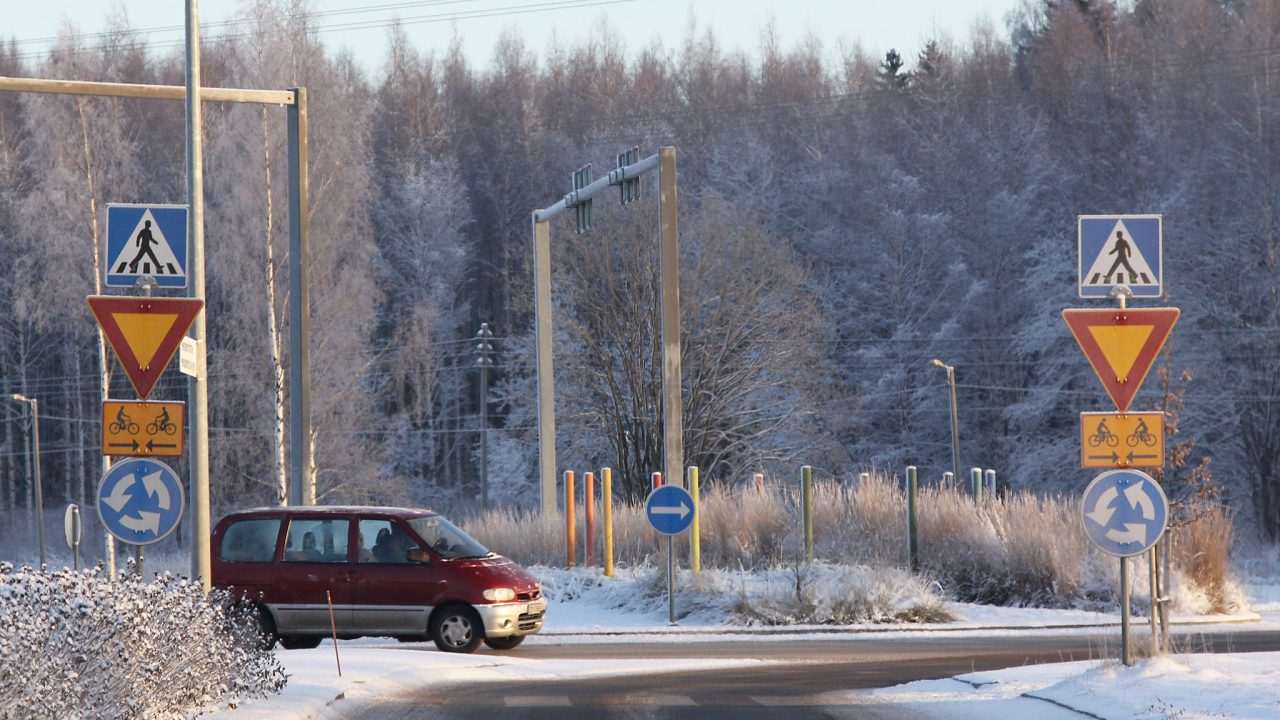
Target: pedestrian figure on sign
column 1122, row 253
column 144, row 241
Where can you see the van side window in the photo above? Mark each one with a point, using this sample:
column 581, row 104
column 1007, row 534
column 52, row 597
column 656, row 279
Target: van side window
column 316, row 540
column 384, row 541
column 250, row 541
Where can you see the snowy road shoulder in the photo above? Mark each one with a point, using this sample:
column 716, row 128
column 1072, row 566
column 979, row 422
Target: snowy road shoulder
column 1242, row 687
column 371, row 673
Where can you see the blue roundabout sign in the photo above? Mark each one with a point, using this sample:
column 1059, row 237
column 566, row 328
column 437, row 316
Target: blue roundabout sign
column 140, row 501
column 1125, row 512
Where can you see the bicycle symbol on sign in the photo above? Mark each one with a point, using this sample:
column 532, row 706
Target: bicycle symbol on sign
column 161, row 424
column 1141, row 434
column 1104, row 435
column 123, row 424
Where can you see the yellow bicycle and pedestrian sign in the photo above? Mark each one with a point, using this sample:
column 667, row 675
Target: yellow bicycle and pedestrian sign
column 1121, row 440
column 142, row 429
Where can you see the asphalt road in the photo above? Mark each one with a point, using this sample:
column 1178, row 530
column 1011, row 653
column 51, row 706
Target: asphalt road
column 811, row 682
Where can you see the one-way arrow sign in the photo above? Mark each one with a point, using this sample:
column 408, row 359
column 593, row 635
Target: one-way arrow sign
column 669, row 509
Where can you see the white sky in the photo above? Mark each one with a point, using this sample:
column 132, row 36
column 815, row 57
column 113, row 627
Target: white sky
column 877, row 24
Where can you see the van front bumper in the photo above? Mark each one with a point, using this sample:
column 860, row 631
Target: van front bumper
column 517, row 618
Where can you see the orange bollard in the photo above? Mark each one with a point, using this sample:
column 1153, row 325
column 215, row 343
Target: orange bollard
column 569, row 540
column 589, row 507
column 657, row 480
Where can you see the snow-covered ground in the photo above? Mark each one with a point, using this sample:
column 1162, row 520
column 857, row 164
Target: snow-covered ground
column 1240, row 687
column 1175, row 686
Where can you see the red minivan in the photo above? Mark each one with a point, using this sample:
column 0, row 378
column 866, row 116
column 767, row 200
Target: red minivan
column 388, row 571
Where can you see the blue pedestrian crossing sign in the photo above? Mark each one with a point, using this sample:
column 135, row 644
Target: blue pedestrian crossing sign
column 1125, row 512
column 140, row 501
column 669, row 509
column 146, row 241
column 1120, row 250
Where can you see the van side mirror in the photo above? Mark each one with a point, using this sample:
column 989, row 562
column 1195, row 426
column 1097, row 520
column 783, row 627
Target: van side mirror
column 419, row 555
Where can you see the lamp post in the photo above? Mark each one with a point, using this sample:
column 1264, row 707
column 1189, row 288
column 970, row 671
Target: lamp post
column 955, row 417
column 35, row 441
column 483, row 349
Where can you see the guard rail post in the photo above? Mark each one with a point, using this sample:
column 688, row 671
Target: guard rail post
column 806, row 496
column 913, row 548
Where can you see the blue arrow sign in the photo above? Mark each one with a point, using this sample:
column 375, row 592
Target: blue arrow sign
column 1117, row 250
column 140, row 501
column 146, row 241
column 1124, row 512
column 669, row 509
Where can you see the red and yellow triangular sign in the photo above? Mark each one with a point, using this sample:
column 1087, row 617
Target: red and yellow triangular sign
column 1121, row 345
column 144, row 332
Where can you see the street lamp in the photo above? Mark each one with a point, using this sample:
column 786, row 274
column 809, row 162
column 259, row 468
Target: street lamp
column 35, row 436
column 955, row 419
column 483, row 349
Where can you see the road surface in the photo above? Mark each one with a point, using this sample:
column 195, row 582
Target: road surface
column 806, row 678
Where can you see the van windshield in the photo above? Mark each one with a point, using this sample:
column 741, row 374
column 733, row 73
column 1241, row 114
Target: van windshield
column 446, row 539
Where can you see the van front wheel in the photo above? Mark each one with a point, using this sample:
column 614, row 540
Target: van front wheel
column 457, row 629
column 505, row 643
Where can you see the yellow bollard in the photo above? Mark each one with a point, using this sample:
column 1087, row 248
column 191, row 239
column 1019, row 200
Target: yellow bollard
column 606, row 492
column 695, row 537
column 569, row 540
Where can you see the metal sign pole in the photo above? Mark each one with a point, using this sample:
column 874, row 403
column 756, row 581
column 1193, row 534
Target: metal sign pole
column 1124, row 612
column 671, row 583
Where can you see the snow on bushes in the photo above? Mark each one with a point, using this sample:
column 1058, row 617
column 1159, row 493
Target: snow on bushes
column 77, row 645
column 808, row 594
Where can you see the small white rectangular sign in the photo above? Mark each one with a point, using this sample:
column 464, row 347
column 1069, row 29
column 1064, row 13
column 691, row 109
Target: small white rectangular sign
column 188, row 357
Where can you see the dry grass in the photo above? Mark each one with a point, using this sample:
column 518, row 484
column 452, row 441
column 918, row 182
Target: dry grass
column 1201, row 550
column 1024, row 549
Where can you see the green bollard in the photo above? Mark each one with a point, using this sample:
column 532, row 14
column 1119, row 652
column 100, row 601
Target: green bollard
column 913, row 547
column 975, row 474
column 806, row 492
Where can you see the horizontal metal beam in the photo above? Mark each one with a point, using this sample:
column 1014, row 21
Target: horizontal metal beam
column 154, row 92
column 615, row 177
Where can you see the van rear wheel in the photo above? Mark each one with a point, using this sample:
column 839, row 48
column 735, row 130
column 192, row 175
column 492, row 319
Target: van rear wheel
column 505, row 643
column 457, row 629
column 300, row 642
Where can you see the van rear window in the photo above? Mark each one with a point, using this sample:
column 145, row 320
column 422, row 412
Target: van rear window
column 250, row 541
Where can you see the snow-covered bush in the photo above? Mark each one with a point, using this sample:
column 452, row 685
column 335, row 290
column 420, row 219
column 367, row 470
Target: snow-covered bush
column 810, row 594
column 81, row 645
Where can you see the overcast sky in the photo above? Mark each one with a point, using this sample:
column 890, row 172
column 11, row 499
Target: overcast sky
column 361, row 24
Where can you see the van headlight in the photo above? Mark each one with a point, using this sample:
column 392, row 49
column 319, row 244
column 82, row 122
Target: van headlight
column 499, row 594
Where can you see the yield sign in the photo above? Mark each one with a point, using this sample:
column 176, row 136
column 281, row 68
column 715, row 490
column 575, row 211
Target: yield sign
column 144, row 332
column 1121, row 345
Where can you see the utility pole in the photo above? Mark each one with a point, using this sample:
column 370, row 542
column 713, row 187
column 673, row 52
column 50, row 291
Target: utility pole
column 955, row 418
column 39, row 482
column 484, row 349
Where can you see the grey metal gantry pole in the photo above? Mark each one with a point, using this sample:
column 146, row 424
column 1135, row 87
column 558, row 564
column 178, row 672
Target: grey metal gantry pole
column 199, row 384
column 625, row 176
column 35, row 461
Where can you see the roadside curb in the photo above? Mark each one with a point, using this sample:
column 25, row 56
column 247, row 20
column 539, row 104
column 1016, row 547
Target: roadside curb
column 887, row 628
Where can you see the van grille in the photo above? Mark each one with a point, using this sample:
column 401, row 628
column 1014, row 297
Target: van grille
column 529, row 621
column 534, row 595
